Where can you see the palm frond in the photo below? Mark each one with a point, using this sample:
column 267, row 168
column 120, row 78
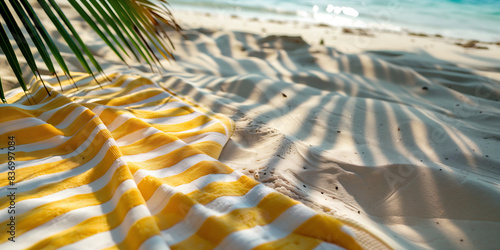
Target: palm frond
column 128, row 27
column 2, row 95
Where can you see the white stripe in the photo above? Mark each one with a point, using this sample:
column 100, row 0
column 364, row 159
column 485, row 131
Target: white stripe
column 95, row 92
column 208, row 136
column 157, row 97
column 54, row 141
column 178, row 168
column 13, row 92
column 34, row 106
column 162, row 194
column 205, row 180
column 71, row 117
column 159, row 151
column 149, row 131
column 281, row 227
column 137, row 136
column 155, row 242
column 18, row 124
column 71, row 218
column 166, row 106
column 115, row 236
column 49, row 113
column 171, row 120
column 82, row 82
column 99, row 109
column 139, row 88
column 40, row 145
column 328, row 246
column 27, row 205
column 198, row 213
column 23, row 186
column 120, row 120
column 127, row 81
column 101, row 92
column 206, row 125
column 348, row 231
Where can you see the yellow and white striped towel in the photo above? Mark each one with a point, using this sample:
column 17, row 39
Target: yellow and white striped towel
column 132, row 165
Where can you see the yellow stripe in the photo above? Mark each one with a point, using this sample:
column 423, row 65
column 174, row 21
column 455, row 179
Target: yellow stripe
column 166, row 160
column 130, row 199
column 11, row 113
column 129, row 99
column 41, row 94
column 156, row 103
column 108, row 115
column 216, row 228
column 147, row 144
column 292, row 241
column 210, row 148
column 16, row 97
column 32, row 134
column 83, row 179
column 179, row 204
column 180, row 127
column 217, row 189
column 25, row 136
column 134, row 84
column 27, row 173
column 150, row 184
column 173, row 112
column 43, row 214
column 175, row 211
column 138, row 233
column 147, row 185
column 217, row 127
column 129, row 127
column 196, row 171
column 328, row 229
column 224, row 119
column 61, row 114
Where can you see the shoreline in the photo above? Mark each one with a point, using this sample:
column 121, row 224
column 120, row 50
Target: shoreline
column 349, row 29
column 475, row 54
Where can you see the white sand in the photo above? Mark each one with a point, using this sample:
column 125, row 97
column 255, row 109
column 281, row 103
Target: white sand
column 347, row 128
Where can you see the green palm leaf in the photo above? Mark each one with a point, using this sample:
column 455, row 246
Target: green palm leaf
column 128, row 27
column 34, row 36
column 2, row 95
column 11, row 57
column 46, row 37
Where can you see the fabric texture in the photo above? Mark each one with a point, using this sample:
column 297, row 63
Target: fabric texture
column 132, row 165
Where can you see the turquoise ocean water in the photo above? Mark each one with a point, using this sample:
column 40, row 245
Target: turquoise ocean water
column 468, row 19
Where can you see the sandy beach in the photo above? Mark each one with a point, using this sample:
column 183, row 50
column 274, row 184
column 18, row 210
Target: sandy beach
column 396, row 132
